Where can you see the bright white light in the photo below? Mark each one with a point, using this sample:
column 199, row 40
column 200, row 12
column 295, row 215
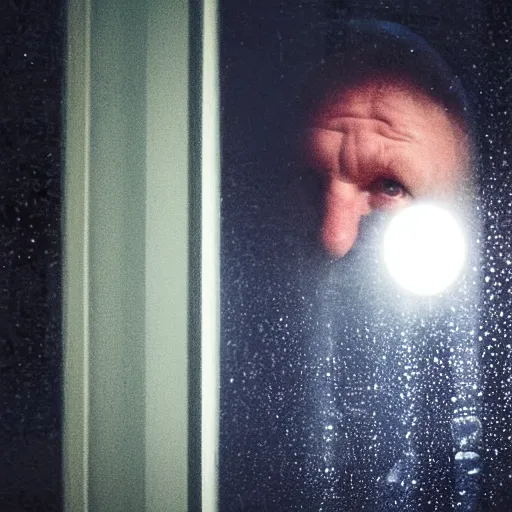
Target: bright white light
column 424, row 249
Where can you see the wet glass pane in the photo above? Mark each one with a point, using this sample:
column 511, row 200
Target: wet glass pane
column 32, row 54
column 350, row 378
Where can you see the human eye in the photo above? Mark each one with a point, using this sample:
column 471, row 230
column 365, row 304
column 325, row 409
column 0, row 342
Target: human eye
column 387, row 193
column 389, row 187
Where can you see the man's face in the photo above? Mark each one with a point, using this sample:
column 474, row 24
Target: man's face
column 378, row 147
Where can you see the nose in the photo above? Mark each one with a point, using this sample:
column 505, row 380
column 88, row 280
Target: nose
column 344, row 205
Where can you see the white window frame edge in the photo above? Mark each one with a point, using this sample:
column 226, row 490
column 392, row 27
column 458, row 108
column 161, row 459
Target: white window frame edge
column 210, row 266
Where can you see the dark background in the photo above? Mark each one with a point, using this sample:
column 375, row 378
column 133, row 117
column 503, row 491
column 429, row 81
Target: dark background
column 31, row 98
column 267, row 48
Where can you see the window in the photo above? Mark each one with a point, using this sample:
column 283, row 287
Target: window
column 339, row 390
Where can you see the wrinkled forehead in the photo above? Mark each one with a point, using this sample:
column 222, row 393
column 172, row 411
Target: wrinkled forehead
column 401, row 104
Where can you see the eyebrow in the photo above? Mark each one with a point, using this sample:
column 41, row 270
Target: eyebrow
column 414, row 178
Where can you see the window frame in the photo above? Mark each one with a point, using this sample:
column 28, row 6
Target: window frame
column 141, row 207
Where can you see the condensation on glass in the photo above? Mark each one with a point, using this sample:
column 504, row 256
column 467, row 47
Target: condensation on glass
column 340, row 390
column 30, row 274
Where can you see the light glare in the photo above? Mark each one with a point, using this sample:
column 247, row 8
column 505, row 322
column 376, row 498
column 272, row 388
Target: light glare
column 424, row 249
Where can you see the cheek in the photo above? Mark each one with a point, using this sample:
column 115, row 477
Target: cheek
column 322, row 149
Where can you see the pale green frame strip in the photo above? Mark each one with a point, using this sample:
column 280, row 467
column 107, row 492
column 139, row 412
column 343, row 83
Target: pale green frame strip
column 125, row 256
column 76, row 243
column 167, row 211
